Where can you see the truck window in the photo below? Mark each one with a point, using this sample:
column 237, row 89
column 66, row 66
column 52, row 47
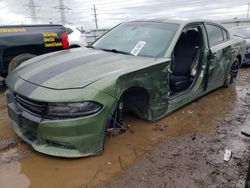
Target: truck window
column 215, row 35
column 69, row 31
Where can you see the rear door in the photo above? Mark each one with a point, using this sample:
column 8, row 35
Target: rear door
column 219, row 55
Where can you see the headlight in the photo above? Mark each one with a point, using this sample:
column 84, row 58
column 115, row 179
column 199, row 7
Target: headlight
column 73, row 109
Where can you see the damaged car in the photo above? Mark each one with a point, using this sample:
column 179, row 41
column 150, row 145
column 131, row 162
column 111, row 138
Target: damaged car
column 64, row 103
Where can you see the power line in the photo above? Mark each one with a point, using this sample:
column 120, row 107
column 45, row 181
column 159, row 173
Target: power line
column 62, row 10
column 248, row 10
column 32, row 8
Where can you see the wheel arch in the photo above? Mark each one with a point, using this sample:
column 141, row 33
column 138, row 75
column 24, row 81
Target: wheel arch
column 136, row 100
column 10, row 53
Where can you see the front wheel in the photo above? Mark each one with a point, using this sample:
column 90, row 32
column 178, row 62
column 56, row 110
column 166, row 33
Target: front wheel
column 117, row 124
column 232, row 74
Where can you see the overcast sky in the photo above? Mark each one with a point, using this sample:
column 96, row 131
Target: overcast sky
column 112, row 12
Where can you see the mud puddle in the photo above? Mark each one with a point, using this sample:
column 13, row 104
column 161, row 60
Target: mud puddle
column 36, row 170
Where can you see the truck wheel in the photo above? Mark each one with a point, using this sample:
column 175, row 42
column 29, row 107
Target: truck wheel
column 75, row 46
column 16, row 61
column 232, row 74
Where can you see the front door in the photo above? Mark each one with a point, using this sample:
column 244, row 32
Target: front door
column 186, row 84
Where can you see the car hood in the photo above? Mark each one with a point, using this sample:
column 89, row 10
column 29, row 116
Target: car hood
column 76, row 68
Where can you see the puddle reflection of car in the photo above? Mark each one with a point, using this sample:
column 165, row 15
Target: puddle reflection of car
column 64, row 103
column 243, row 32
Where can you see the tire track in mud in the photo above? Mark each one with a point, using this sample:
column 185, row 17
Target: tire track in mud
column 13, row 156
column 11, row 150
column 9, row 143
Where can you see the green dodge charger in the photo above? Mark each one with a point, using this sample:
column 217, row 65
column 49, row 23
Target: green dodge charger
column 64, row 103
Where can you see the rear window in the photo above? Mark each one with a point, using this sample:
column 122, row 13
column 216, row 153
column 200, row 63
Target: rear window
column 215, row 35
column 69, row 31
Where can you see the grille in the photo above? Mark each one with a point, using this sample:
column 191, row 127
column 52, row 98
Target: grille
column 36, row 108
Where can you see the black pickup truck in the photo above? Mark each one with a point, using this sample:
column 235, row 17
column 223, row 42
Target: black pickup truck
column 22, row 42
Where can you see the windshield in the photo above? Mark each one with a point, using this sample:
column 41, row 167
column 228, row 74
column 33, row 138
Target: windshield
column 150, row 39
column 245, row 31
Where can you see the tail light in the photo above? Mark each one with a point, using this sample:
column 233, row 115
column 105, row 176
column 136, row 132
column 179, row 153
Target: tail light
column 65, row 40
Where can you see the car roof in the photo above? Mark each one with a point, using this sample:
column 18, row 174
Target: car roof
column 177, row 20
column 181, row 22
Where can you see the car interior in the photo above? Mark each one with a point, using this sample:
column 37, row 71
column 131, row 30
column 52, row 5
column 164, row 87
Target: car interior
column 186, row 59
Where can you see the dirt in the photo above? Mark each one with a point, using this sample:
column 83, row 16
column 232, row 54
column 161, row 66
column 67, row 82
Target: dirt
column 185, row 149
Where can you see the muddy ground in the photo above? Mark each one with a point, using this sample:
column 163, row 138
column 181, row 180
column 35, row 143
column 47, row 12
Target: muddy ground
column 185, row 149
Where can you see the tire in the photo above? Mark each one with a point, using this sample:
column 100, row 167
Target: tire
column 16, row 61
column 75, row 46
column 232, row 74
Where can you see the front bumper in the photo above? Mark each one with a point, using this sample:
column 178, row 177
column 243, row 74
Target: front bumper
column 76, row 137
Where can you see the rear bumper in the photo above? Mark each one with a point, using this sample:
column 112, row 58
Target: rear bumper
column 76, row 137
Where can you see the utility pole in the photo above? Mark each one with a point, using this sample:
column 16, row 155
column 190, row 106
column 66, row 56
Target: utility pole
column 32, row 11
column 248, row 10
column 95, row 17
column 62, row 9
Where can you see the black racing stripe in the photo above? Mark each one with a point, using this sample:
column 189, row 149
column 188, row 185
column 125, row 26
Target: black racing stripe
column 48, row 57
column 11, row 80
column 51, row 72
column 26, row 88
